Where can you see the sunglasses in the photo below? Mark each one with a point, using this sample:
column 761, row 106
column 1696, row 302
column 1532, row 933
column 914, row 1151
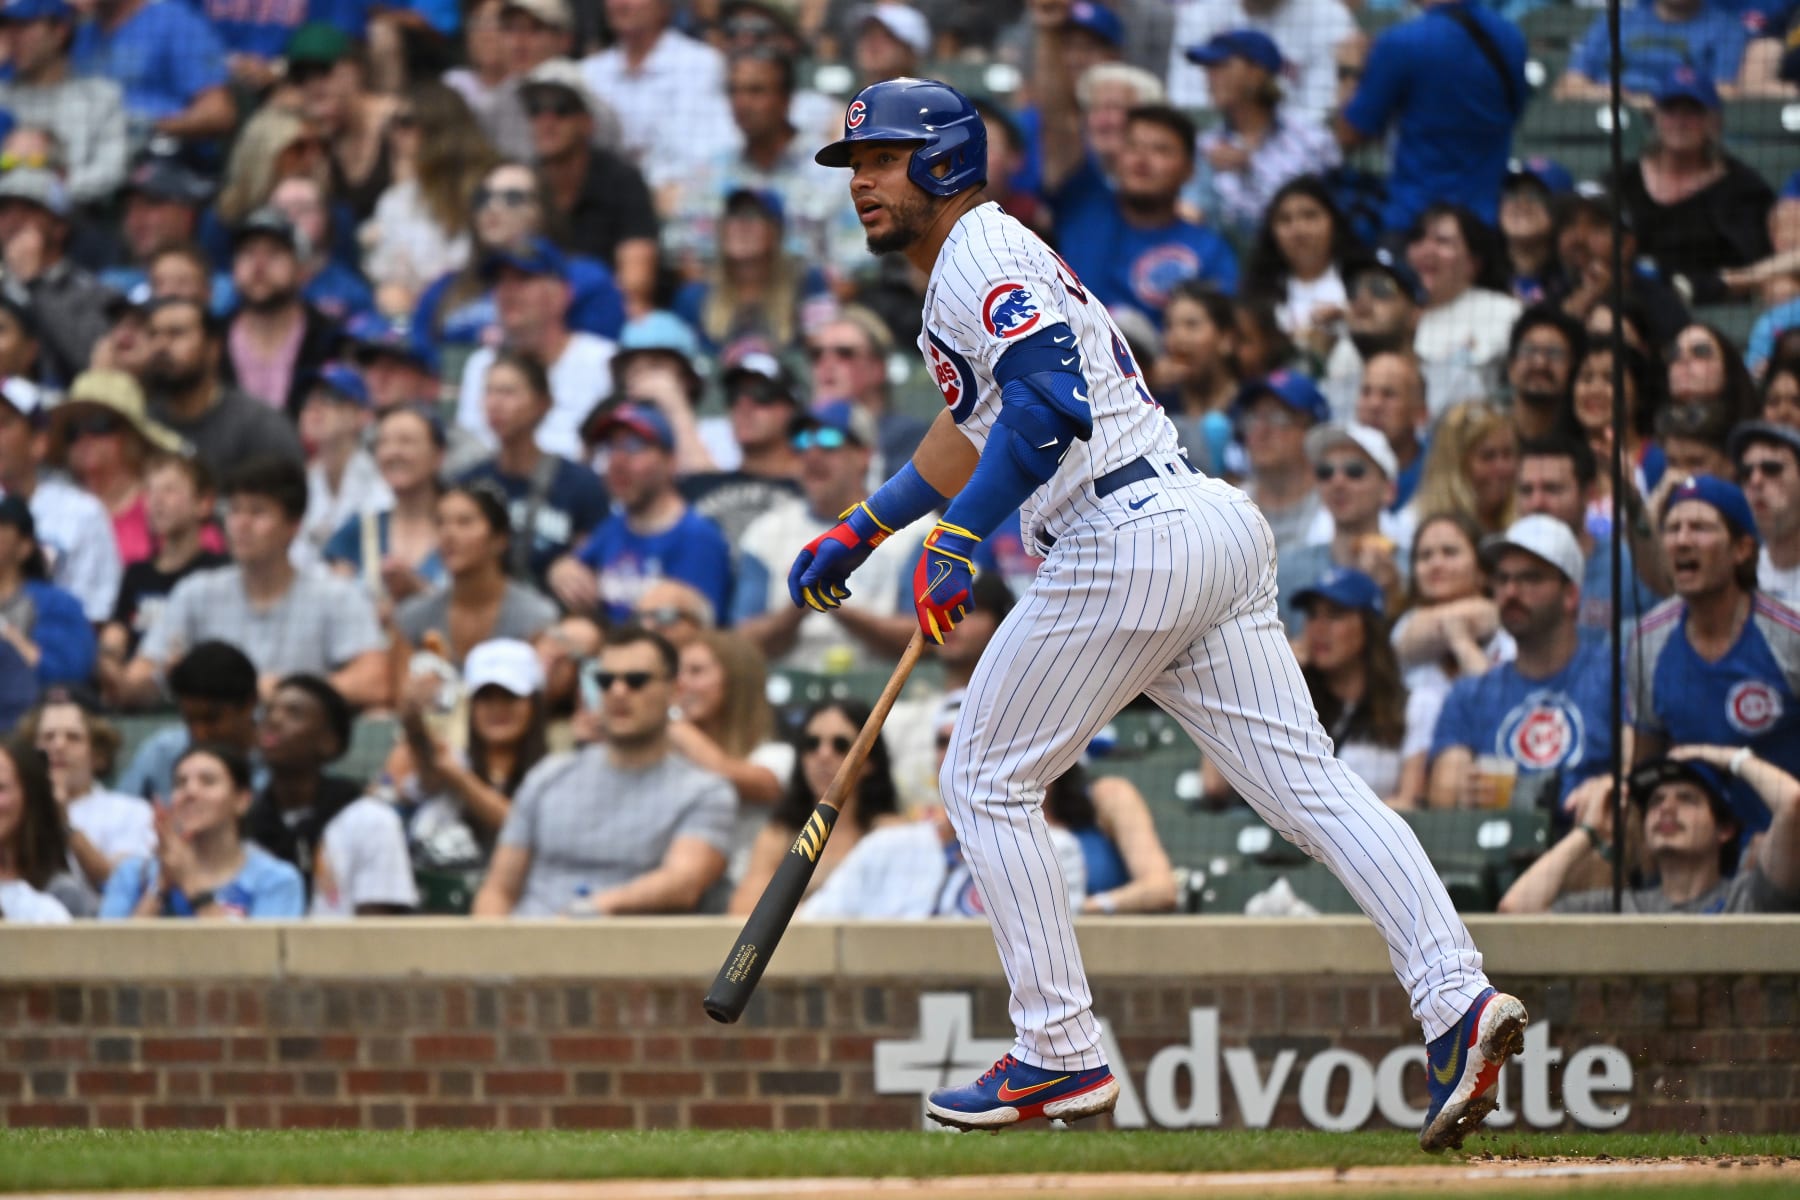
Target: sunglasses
column 554, row 105
column 841, row 353
column 634, row 681
column 667, row 614
column 98, row 425
column 1325, row 472
column 837, row 741
column 762, row 396
column 1378, row 286
column 824, row 439
column 1768, row 468
column 506, row 197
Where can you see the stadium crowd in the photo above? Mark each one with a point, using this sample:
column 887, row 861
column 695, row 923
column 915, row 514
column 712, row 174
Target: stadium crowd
column 465, row 376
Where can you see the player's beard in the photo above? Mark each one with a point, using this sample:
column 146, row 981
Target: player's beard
column 909, row 219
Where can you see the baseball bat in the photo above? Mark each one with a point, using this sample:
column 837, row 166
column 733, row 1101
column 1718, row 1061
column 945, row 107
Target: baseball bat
column 744, row 966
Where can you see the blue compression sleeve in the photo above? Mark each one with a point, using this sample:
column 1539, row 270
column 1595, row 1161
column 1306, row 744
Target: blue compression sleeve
column 1041, row 416
column 904, row 498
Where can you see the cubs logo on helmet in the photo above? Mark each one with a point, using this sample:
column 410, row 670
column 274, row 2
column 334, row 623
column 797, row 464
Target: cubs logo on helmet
column 853, row 117
column 1543, row 733
column 1752, row 707
column 1010, row 311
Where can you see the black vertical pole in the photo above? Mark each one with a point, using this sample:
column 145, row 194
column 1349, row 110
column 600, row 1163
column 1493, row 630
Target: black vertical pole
column 1616, row 140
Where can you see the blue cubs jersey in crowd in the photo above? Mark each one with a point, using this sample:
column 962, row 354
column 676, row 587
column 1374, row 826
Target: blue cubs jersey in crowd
column 627, row 563
column 1747, row 698
column 1559, row 725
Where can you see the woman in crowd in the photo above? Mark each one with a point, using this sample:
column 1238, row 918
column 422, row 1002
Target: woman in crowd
column 33, row 847
column 420, row 228
column 754, row 288
column 1301, row 256
column 1696, row 209
column 104, row 827
column 101, row 435
column 1127, row 869
column 1705, row 369
column 1452, row 630
column 510, row 207
column 1355, row 684
column 202, row 866
column 1198, row 375
column 479, row 601
column 274, row 144
column 1469, row 312
column 485, row 44
column 1263, row 347
column 1781, row 393
column 1593, row 400
column 873, row 801
column 352, row 120
column 42, row 623
column 1470, row 466
column 395, row 551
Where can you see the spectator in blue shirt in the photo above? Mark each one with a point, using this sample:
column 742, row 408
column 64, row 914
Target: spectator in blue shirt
column 1124, row 241
column 169, row 61
column 1548, row 711
column 654, row 533
column 1451, row 84
column 41, row 621
column 1655, row 39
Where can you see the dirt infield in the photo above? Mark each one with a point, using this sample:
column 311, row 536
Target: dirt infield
column 1482, row 1175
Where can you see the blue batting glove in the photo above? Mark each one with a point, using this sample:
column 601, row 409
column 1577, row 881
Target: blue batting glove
column 817, row 578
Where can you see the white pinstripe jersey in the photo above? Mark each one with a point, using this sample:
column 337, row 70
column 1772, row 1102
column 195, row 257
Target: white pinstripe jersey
column 995, row 283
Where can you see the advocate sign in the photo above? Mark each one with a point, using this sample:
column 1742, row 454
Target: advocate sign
column 1184, row 1084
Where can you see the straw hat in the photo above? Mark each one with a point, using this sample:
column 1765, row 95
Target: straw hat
column 119, row 394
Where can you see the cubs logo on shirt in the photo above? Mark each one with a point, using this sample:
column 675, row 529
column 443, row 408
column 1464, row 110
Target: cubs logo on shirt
column 857, row 112
column 1010, row 311
column 1543, row 733
column 1159, row 270
column 1752, row 707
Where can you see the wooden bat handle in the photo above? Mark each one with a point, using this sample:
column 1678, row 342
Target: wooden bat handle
column 865, row 740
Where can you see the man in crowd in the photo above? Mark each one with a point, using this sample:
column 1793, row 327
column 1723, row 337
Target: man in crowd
column 1392, row 400
column 1546, row 344
column 534, row 32
column 531, row 297
column 350, row 848
column 168, row 61
column 762, row 400
column 1547, row 712
column 677, row 610
column 163, row 202
column 1657, row 38
column 341, row 477
column 653, row 534
column 1273, row 416
column 69, row 303
column 606, row 210
column 624, row 825
column 73, row 529
column 1354, row 470
column 1528, row 223
column 1691, row 838
column 834, row 440
column 223, row 424
column 287, row 620
column 86, row 114
column 399, row 370
column 849, row 355
column 891, row 40
column 1584, row 247
column 1386, row 301
column 553, row 503
column 330, row 286
column 214, row 688
column 1307, row 31
column 668, row 89
column 1768, row 463
column 1124, row 242
column 276, row 342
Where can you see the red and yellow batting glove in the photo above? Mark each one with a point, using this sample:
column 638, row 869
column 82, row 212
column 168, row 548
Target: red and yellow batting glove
column 944, row 580
column 819, row 574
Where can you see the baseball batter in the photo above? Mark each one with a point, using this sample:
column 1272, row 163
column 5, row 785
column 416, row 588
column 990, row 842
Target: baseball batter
column 1156, row 579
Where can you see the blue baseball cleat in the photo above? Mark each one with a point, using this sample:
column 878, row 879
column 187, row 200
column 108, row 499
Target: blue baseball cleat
column 1463, row 1066
column 1012, row 1091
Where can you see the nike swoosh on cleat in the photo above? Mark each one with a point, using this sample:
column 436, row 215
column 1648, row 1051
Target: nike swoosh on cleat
column 1008, row 1093
column 1448, row 1073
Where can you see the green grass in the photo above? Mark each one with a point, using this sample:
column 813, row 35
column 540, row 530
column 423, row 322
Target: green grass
column 50, row 1159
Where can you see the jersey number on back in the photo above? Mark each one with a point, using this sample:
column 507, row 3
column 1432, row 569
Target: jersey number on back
column 1121, row 352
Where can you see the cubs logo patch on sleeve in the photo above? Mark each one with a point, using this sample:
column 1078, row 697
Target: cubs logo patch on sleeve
column 1010, row 311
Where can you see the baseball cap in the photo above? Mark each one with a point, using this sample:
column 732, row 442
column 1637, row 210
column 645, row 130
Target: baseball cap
column 554, row 13
column 38, row 186
column 1646, row 778
column 1596, row 201
column 846, row 416
column 1685, row 83
column 1542, row 536
column 760, row 200
column 1345, row 587
column 538, row 256
column 505, row 663
column 317, row 43
column 762, row 372
column 564, row 74
column 1547, row 173
column 1395, row 267
column 373, row 336
column 1291, row 388
column 1747, row 433
column 1098, row 20
column 645, row 420
column 907, row 24
column 37, row 10
column 22, row 396
column 344, row 383
column 271, row 222
column 1726, row 498
column 1372, row 442
column 1251, row 45
column 162, row 178
column 1791, row 189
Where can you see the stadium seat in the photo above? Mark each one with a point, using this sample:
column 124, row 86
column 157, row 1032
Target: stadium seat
column 1763, row 123
column 1557, row 25
column 1478, row 854
column 1230, row 891
column 371, row 740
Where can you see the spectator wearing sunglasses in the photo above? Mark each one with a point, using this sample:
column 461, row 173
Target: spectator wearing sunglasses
column 678, row 611
column 531, row 33
column 834, row 441
column 1353, row 468
column 762, row 401
column 652, row 534
column 623, row 826
column 102, row 435
column 1768, row 468
column 1386, row 303
column 849, row 356
column 871, row 801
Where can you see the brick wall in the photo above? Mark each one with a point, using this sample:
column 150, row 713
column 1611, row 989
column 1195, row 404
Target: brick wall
column 1709, row 1052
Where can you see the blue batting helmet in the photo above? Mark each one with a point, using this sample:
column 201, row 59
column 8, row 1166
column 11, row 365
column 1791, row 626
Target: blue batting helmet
column 935, row 116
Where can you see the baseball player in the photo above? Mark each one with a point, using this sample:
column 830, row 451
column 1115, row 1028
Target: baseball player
column 1156, row 579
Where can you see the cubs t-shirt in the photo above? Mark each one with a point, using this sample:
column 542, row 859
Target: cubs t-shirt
column 626, row 563
column 1557, row 729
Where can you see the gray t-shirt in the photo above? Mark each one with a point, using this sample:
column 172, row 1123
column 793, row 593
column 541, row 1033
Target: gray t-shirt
column 322, row 623
column 591, row 825
column 524, row 613
column 1746, row 892
column 237, row 427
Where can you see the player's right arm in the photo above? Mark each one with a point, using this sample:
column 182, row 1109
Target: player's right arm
column 1053, row 88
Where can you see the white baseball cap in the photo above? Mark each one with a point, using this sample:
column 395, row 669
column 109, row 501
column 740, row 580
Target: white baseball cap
column 504, row 662
column 1544, row 536
column 1371, row 441
column 553, row 13
column 906, row 23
